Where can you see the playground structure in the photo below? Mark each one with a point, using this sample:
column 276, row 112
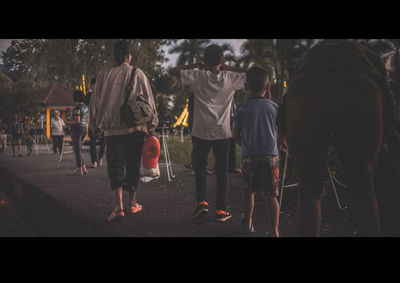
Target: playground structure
column 183, row 118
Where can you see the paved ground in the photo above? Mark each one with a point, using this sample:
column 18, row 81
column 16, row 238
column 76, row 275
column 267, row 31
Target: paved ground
column 39, row 196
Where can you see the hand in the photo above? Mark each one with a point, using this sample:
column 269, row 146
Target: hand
column 201, row 65
column 283, row 147
column 150, row 133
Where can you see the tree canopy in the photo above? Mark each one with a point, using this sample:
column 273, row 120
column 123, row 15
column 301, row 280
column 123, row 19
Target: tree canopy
column 41, row 62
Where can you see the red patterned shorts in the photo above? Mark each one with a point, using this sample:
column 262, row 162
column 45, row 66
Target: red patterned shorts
column 261, row 173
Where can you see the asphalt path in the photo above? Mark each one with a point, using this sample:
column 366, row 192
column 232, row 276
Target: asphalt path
column 42, row 197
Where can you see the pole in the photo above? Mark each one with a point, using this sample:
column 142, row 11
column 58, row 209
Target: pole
column 283, row 178
column 334, row 189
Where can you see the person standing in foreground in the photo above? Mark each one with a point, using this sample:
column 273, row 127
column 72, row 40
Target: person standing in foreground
column 78, row 131
column 124, row 145
column 255, row 130
column 213, row 88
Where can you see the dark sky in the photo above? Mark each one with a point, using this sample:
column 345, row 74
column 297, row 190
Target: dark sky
column 4, row 43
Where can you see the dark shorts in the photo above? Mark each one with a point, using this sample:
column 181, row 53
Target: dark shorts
column 16, row 137
column 261, row 173
column 123, row 156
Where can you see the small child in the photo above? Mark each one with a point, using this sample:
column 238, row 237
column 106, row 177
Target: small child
column 3, row 142
column 255, row 129
column 29, row 145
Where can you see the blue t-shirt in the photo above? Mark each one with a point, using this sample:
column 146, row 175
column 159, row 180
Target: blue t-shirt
column 256, row 118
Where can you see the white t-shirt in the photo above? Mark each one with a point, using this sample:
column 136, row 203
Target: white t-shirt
column 213, row 95
column 57, row 126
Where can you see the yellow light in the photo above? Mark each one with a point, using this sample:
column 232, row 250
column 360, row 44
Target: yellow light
column 185, row 120
column 284, row 83
column 84, row 86
column 182, row 117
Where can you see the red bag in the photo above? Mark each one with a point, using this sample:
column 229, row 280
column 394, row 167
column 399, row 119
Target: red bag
column 150, row 152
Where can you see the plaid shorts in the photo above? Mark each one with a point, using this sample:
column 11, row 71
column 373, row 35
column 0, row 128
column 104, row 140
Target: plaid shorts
column 123, row 156
column 261, row 173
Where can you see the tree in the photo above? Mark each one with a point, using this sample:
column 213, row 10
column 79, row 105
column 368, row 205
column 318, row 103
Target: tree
column 190, row 50
column 18, row 97
column 5, row 87
column 256, row 51
column 164, row 88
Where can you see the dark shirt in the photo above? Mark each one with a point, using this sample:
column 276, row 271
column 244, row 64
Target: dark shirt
column 15, row 127
column 82, row 111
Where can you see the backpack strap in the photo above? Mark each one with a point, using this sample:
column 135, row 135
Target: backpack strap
column 130, row 85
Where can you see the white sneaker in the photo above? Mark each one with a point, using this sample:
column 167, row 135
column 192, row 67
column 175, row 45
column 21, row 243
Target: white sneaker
column 101, row 162
column 95, row 164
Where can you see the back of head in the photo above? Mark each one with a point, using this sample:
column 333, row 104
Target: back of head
column 121, row 50
column 257, row 79
column 79, row 96
column 213, row 54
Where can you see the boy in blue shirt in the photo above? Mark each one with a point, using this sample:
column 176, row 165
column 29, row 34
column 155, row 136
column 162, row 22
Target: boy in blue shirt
column 255, row 129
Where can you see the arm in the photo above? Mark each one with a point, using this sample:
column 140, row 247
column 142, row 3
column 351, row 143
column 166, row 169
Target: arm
column 22, row 128
column 237, row 137
column 232, row 69
column 94, row 102
column 177, row 70
column 142, row 87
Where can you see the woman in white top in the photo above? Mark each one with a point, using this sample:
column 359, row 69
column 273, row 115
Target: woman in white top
column 57, row 125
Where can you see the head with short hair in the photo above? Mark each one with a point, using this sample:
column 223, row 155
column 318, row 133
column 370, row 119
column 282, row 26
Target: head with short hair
column 257, row 80
column 213, row 55
column 79, row 96
column 56, row 113
column 121, row 51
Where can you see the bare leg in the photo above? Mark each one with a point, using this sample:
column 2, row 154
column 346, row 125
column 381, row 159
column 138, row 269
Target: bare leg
column 19, row 146
column 308, row 214
column 365, row 207
column 132, row 198
column 248, row 208
column 134, row 207
column 13, row 147
column 118, row 204
column 272, row 208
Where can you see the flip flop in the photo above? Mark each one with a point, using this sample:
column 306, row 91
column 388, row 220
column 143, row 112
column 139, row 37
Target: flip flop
column 135, row 208
column 115, row 214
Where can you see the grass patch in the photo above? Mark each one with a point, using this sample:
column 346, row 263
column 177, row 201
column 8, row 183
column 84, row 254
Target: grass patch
column 181, row 151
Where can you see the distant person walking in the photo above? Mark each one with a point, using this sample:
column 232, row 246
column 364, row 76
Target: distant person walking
column 3, row 142
column 79, row 130
column 94, row 135
column 255, row 129
column 213, row 88
column 124, row 145
column 29, row 144
column 16, row 131
column 57, row 132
